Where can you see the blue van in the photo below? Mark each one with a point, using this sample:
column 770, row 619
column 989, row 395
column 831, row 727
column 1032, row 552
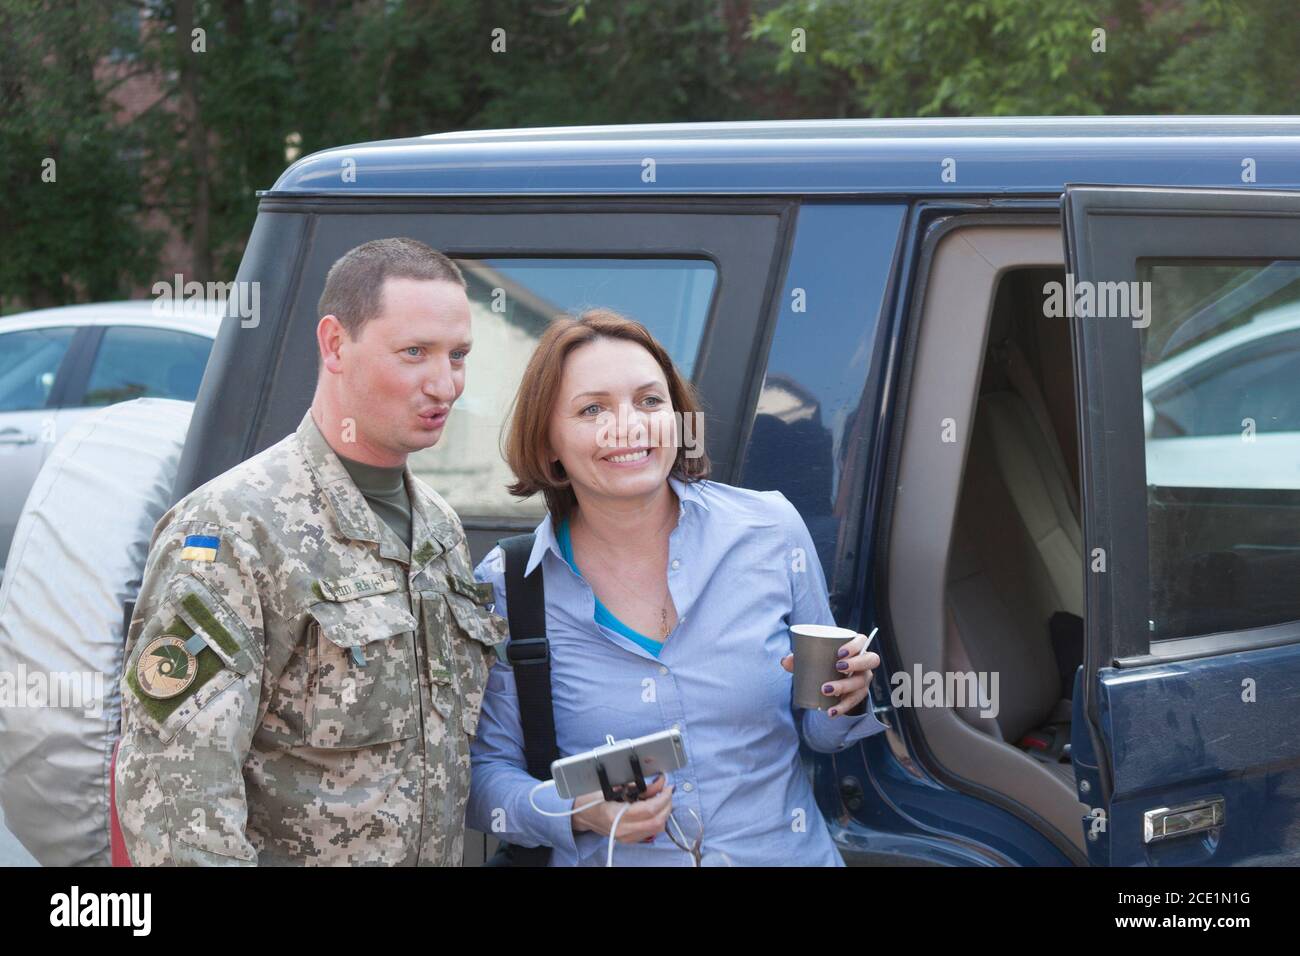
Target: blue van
column 1034, row 385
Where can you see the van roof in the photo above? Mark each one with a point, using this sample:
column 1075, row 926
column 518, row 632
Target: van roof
column 1020, row 155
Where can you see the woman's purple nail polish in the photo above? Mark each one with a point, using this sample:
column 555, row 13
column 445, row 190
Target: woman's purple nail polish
column 842, row 666
column 844, row 652
column 834, row 712
column 827, row 688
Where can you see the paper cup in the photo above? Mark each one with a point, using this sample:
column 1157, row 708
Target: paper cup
column 815, row 647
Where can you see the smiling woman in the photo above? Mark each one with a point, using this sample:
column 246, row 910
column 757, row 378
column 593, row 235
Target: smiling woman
column 669, row 599
column 596, row 388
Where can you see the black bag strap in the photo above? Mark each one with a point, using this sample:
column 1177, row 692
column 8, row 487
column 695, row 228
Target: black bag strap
column 529, row 655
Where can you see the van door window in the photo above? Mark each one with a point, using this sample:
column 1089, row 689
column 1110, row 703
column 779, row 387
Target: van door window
column 1221, row 405
column 511, row 302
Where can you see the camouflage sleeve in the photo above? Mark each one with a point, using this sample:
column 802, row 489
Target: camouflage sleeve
column 191, row 685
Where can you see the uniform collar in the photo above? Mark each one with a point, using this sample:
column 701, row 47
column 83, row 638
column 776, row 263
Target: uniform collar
column 433, row 529
column 687, row 492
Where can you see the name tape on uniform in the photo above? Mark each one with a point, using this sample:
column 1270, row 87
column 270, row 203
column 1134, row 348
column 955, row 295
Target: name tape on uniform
column 348, row 589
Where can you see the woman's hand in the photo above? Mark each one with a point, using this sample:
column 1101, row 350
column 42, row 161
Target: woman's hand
column 644, row 818
column 858, row 667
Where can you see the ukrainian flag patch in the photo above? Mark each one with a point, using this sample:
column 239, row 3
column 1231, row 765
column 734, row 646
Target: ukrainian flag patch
column 200, row 547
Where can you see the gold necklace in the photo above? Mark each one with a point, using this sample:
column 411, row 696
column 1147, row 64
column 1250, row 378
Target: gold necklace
column 660, row 606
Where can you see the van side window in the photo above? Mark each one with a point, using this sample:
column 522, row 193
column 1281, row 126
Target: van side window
column 512, row 300
column 1221, row 406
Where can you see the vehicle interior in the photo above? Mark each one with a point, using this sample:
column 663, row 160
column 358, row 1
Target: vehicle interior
column 985, row 568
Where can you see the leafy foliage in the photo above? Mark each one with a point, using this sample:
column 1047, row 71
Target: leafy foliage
column 243, row 86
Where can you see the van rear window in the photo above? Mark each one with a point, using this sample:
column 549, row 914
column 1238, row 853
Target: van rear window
column 512, row 300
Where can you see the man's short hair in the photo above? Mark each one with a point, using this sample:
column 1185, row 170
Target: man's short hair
column 355, row 283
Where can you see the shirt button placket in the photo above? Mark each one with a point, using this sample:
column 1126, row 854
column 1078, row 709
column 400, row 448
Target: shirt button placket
column 676, row 725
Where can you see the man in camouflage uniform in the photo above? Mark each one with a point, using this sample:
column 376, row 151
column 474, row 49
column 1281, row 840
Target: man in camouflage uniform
column 300, row 685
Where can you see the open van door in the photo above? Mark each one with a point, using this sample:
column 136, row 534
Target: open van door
column 1185, row 310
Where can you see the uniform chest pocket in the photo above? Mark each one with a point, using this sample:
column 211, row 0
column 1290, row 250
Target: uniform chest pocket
column 472, row 632
column 362, row 682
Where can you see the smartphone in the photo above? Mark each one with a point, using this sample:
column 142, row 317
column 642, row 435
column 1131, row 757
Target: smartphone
column 657, row 753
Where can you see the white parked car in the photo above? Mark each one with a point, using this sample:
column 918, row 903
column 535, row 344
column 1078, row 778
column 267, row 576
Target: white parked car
column 57, row 365
column 1198, row 404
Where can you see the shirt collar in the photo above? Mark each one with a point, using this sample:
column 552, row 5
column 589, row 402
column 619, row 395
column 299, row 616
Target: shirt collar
column 687, row 491
column 691, row 491
column 545, row 541
column 350, row 509
column 433, row 530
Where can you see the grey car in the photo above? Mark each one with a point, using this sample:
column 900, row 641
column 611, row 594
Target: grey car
column 57, row 365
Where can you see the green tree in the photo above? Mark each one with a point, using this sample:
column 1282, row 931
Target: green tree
column 1225, row 57
column 71, row 225
column 1027, row 57
column 247, row 84
column 957, row 58
column 324, row 73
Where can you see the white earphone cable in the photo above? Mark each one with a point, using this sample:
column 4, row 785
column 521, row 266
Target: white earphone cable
column 609, row 858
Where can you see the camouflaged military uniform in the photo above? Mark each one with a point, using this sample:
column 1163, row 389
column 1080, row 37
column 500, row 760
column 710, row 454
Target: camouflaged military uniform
column 331, row 680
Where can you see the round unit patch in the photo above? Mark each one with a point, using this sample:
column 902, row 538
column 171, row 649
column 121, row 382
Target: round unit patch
column 166, row 668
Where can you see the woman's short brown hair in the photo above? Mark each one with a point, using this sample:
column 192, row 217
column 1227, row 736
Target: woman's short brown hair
column 530, row 412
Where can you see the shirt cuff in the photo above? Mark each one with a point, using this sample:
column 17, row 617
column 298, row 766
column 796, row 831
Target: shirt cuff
column 556, row 831
column 830, row 734
column 859, row 726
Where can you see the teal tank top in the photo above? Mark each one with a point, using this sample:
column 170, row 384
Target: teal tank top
column 603, row 615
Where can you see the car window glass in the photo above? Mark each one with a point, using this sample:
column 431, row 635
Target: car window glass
column 512, row 300
column 29, row 363
column 1254, row 382
column 1221, row 407
column 138, row 362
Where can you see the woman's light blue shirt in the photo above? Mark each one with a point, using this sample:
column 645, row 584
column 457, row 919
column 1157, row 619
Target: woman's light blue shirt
column 741, row 569
column 604, row 615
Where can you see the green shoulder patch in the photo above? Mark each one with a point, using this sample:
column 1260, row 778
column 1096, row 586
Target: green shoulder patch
column 215, row 629
column 207, row 665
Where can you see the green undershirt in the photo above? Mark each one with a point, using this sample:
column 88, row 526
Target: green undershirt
column 385, row 490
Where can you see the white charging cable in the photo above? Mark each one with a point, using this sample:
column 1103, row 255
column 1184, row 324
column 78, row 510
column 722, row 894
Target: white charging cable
column 609, row 857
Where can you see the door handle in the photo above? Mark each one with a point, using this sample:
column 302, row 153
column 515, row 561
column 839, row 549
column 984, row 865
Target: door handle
column 12, row 436
column 1166, row 822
